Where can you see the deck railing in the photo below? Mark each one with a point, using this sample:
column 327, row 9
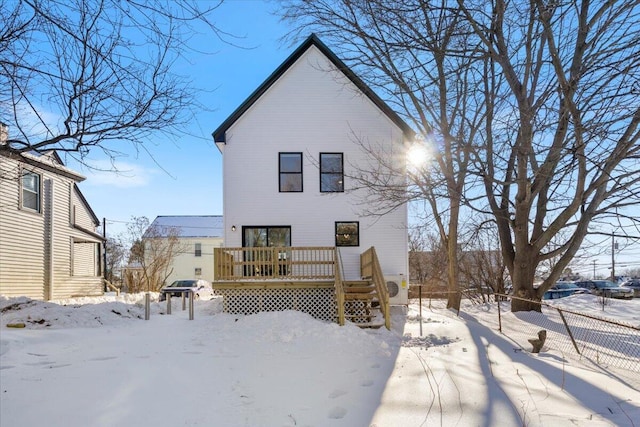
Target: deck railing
column 370, row 268
column 284, row 263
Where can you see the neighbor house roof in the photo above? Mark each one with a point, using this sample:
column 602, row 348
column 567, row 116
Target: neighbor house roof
column 188, row 225
column 49, row 161
column 219, row 135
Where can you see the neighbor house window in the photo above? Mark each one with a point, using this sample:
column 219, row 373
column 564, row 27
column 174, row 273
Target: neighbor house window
column 347, row 233
column 331, row 173
column 198, row 249
column 198, row 271
column 290, row 172
column 31, row 194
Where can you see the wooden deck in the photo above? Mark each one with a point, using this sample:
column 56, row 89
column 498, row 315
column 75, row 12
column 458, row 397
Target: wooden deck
column 307, row 279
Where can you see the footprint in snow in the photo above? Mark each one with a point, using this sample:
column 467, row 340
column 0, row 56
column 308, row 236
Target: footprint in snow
column 100, row 359
column 337, row 393
column 337, row 412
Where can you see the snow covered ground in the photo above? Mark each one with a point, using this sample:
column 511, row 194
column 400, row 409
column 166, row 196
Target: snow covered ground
column 96, row 362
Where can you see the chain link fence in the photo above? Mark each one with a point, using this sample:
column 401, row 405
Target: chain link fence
column 603, row 341
column 573, row 334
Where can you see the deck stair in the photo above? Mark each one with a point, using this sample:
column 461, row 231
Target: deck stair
column 361, row 304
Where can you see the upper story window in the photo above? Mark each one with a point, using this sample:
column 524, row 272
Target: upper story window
column 290, row 172
column 331, row 172
column 348, row 233
column 198, row 249
column 31, row 191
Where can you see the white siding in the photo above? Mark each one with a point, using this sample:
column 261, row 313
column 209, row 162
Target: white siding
column 310, row 109
column 24, row 240
column 21, row 238
column 83, row 217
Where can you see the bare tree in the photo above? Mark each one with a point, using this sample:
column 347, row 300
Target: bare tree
column 116, row 254
column 80, row 75
column 543, row 96
column 562, row 132
column 427, row 260
column 154, row 249
column 482, row 269
column 402, row 50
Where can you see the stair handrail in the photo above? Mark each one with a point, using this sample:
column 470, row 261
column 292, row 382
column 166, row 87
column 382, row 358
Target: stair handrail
column 340, row 299
column 383, row 293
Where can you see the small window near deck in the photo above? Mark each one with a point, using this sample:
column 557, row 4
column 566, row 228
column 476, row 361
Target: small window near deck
column 290, row 172
column 198, row 271
column 347, row 233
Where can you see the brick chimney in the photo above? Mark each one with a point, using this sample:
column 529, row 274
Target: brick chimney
column 4, row 133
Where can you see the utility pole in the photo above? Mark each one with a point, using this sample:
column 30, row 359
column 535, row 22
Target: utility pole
column 614, row 246
column 104, row 251
column 594, row 269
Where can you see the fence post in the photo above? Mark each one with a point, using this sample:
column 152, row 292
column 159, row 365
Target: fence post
column 191, row 305
column 568, row 330
column 184, row 306
column 499, row 318
column 168, row 302
column 147, row 305
column 420, row 299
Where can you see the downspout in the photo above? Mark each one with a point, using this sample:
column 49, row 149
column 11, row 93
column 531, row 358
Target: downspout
column 49, row 235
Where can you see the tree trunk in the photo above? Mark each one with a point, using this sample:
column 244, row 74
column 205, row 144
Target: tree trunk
column 453, row 301
column 524, row 268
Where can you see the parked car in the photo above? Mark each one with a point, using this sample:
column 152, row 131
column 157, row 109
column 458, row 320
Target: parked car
column 564, row 289
column 632, row 284
column 606, row 288
column 201, row 288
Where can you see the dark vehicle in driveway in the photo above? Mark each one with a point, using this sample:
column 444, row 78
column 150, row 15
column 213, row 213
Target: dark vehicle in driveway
column 632, row 284
column 564, row 289
column 201, row 289
column 606, row 288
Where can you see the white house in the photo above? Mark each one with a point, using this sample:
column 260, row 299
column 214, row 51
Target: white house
column 288, row 153
column 197, row 236
column 49, row 248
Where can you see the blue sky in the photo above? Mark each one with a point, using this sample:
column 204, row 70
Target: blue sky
column 184, row 177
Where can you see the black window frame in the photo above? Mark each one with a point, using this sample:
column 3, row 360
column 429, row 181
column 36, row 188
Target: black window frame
column 331, row 173
column 342, row 242
column 282, row 174
column 38, row 191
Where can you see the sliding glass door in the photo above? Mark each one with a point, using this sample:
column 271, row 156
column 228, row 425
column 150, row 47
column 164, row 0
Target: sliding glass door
column 262, row 262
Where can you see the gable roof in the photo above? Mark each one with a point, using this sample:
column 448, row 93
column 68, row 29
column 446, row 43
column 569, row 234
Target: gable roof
column 189, row 225
column 92, row 214
column 49, row 161
column 219, row 135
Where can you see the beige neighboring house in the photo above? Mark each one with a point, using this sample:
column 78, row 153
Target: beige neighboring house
column 198, row 235
column 49, row 247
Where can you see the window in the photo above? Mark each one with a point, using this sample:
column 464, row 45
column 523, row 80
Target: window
column 198, row 271
column 347, row 233
column 290, row 171
column 331, row 173
column 31, row 191
column 198, row 249
column 266, row 236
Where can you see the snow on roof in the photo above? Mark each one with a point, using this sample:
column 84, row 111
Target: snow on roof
column 190, row 225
